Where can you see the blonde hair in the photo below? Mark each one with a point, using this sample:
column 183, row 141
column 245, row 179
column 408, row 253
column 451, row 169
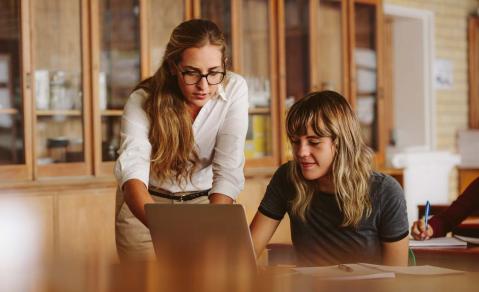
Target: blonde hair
column 329, row 115
column 173, row 153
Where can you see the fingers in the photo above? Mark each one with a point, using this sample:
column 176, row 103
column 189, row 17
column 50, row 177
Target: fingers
column 419, row 232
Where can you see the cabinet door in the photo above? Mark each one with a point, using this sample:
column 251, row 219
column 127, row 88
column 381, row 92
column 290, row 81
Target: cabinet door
column 14, row 160
column 258, row 66
column 366, row 71
column 330, row 42
column 62, row 114
column 116, row 71
column 129, row 38
column 220, row 12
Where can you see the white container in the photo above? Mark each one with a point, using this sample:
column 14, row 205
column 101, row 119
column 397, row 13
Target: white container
column 42, row 89
column 102, row 90
column 426, row 177
column 366, row 80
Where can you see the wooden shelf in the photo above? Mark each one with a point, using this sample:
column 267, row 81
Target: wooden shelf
column 112, row 113
column 8, row 111
column 366, row 93
column 259, row 111
column 75, row 113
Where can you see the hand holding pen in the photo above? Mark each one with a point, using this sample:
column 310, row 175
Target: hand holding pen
column 420, row 229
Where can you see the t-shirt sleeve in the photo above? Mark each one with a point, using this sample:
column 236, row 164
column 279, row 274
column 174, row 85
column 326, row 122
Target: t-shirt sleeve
column 393, row 224
column 275, row 201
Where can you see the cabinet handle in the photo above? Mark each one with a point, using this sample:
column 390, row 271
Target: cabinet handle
column 28, row 80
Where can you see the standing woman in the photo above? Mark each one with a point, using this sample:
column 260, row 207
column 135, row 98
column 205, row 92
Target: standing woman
column 183, row 134
column 340, row 210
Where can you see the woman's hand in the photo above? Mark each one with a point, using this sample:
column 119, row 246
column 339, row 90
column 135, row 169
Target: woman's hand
column 419, row 232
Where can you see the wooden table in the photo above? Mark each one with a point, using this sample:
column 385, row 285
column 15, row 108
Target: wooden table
column 462, row 258
column 94, row 275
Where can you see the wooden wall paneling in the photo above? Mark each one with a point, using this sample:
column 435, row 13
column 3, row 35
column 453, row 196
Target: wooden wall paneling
column 236, row 19
column 95, row 36
column 473, row 42
column 32, row 54
column 88, row 146
column 380, row 129
column 345, row 51
column 276, row 99
column 351, row 46
column 86, row 224
column 27, row 88
column 145, row 9
column 281, row 46
column 313, row 46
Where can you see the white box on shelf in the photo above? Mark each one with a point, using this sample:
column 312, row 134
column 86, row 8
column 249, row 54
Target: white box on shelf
column 42, row 89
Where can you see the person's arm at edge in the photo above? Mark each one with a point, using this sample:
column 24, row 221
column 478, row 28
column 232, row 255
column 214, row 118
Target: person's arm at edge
column 136, row 196
column 262, row 229
column 462, row 207
column 395, row 253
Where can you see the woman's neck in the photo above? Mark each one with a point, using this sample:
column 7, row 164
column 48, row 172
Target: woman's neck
column 325, row 184
column 194, row 110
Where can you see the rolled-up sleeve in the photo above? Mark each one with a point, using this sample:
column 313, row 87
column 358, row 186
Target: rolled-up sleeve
column 228, row 160
column 135, row 149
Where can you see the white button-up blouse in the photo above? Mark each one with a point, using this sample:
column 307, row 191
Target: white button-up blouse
column 219, row 130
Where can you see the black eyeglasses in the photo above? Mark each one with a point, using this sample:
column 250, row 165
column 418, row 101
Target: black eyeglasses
column 192, row 77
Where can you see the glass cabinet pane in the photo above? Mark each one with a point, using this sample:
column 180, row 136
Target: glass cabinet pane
column 297, row 49
column 119, row 66
column 58, row 81
column 12, row 148
column 331, row 45
column 165, row 15
column 366, row 67
column 219, row 11
column 256, row 70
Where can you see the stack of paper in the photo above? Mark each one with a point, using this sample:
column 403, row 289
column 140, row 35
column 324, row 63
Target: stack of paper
column 354, row 272
column 438, row 242
column 363, row 271
column 473, row 240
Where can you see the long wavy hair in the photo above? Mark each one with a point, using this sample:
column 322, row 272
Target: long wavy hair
column 329, row 115
column 174, row 153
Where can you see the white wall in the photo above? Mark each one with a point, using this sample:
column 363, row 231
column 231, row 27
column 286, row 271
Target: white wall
column 409, row 100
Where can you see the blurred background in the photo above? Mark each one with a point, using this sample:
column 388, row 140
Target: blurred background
column 409, row 68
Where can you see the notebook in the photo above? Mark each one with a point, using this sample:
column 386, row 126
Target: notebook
column 205, row 237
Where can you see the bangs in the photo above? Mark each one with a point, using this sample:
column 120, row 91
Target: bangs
column 301, row 117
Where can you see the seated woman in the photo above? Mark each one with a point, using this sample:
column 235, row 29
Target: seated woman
column 441, row 224
column 340, row 210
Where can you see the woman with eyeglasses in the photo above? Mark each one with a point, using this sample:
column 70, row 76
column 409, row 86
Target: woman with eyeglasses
column 183, row 134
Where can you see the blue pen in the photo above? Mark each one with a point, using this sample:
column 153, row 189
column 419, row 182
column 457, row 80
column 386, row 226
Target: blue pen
column 426, row 213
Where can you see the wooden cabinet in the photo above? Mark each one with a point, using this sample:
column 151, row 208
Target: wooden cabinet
column 76, row 62
column 66, row 70
column 288, row 48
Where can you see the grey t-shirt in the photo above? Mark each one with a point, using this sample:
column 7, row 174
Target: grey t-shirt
column 321, row 240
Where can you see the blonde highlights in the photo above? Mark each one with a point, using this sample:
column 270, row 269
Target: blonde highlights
column 173, row 153
column 329, row 115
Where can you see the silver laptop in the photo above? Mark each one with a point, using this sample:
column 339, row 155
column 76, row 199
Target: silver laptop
column 207, row 237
